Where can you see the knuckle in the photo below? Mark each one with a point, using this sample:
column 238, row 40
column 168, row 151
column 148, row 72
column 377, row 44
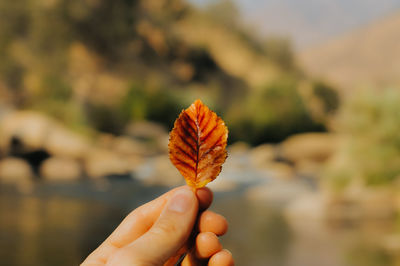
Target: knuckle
column 164, row 228
column 123, row 257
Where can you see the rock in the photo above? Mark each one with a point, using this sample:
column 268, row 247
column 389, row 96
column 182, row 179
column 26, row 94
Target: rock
column 128, row 146
column 277, row 191
column 237, row 169
column 30, row 131
column 316, row 147
column 221, row 184
column 307, row 168
column 391, row 243
column 5, row 106
column 238, row 148
column 125, row 145
column 64, row 143
column 364, row 203
column 133, row 162
column 105, row 141
column 29, row 128
column 378, row 203
column 159, row 171
column 101, row 162
column 57, row 168
column 153, row 135
column 15, row 170
column 162, row 143
column 145, row 130
column 280, row 170
column 261, row 155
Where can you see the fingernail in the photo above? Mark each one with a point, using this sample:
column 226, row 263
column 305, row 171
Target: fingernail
column 181, row 201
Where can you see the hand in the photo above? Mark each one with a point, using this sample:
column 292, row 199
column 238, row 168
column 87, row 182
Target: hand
column 159, row 232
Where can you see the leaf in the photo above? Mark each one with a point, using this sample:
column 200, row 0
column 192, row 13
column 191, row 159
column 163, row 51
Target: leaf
column 197, row 144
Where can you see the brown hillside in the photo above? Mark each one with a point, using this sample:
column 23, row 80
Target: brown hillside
column 368, row 57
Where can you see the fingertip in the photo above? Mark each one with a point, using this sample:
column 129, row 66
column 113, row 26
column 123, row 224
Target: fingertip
column 205, row 197
column 212, row 222
column 181, row 201
column 207, row 244
column 222, row 258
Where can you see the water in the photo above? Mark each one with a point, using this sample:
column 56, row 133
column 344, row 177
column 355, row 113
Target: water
column 60, row 224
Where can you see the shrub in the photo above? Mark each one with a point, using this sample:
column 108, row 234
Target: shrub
column 271, row 114
column 327, row 95
column 371, row 122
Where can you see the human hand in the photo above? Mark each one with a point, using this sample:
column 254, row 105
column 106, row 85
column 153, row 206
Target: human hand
column 159, row 232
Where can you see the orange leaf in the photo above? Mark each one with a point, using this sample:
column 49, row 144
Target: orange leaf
column 197, row 144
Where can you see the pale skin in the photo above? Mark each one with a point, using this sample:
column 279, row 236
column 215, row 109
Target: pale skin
column 159, row 231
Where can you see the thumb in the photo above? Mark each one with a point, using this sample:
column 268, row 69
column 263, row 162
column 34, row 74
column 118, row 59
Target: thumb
column 168, row 234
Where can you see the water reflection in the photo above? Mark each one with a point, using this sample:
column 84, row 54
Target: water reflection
column 258, row 234
column 51, row 231
column 61, row 224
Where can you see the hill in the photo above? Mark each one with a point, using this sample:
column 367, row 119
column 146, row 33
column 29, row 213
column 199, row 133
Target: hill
column 368, row 57
column 103, row 64
column 311, row 22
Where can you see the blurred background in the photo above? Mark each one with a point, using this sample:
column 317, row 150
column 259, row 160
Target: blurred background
column 89, row 90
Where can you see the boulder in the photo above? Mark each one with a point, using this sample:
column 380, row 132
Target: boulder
column 238, row 148
column 64, row 143
column 365, row 203
column 101, row 162
column 162, row 143
column 307, row 168
column 391, row 243
column 133, row 162
column 58, row 168
column 261, row 155
column 145, row 130
column 277, row 192
column 316, row 147
column 105, row 140
column 378, row 203
column 29, row 128
column 128, row 146
column 280, row 170
column 152, row 134
column 159, row 171
column 29, row 131
column 222, row 184
column 15, row 170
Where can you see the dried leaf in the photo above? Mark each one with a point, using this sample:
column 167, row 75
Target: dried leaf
column 197, row 144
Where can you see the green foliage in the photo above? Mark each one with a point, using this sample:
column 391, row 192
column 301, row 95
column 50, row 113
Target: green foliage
column 280, row 51
column 328, row 96
column 371, row 121
column 224, row 11
column 140, row 103
column 105, row 118
column 54, row 88
column 54, row 97
column 159, row 105
column 367, row 254
column 68, row 112
column 271, row 114
column 132, row 40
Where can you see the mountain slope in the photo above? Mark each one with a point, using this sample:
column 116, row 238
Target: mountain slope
column 311, row 22
column 368, row 57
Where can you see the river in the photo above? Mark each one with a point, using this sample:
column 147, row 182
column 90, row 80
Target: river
column 61, row 223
